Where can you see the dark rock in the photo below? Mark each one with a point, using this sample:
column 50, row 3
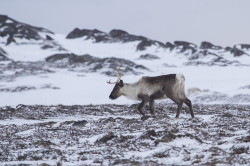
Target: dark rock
column 83, row 158
column 106, row 138
column 208, row 45
column 10, row 39
column 108, row 120
column 149, row 57
column 94, row 64
column 17, row 89
column 45, row 144
column 81, row 123
column 44, row 164
column 111, row 63
column 49, row 37
column 143, row 44
column 244, row 46
column 3, row 54
column 126, row 162
column 71, row 58
column 168, row 137
column 185, row 46
column 246, row 139
column 237, row 52
column 147, row 43
column 170, row 46
column 203, row 53
column 89, row 34
column 13, row 29
column 228, row 48
column 47, row 47
column 148, row 134
column 116, row 33
column 216, row 60
column 240, row 149
column 130, row 121
column 123, row 36
column 184, row 49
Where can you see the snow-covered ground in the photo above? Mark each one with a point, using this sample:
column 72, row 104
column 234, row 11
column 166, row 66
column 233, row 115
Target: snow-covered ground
column 79, row 88
column 115, row 135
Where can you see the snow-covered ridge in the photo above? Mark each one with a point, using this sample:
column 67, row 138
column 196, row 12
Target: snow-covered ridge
column 24, row 36
column 23, row 42
column 13, row 29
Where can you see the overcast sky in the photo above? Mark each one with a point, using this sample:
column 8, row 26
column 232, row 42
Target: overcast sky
column 222, row 22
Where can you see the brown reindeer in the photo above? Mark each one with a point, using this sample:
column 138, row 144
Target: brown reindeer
column 149, row 89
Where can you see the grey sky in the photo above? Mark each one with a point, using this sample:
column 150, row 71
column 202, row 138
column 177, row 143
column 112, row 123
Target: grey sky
column 222, row 22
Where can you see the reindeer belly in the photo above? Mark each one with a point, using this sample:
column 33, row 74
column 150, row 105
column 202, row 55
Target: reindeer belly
column 158, row 95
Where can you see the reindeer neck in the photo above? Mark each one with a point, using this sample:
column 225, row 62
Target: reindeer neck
column 130, row 90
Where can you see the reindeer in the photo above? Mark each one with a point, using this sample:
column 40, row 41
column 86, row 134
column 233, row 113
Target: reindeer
column 149, row 89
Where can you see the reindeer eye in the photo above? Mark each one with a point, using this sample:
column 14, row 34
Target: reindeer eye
column 121, row 83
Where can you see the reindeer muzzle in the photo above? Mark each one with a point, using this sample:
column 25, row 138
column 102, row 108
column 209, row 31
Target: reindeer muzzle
column 111, row 97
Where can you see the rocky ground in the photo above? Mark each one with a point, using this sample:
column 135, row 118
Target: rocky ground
column 117, row 135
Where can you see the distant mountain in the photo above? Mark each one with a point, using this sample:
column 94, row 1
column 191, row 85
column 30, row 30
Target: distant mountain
column 183, row 47
column 13, row 31
column 114, row 36
column 23, row 40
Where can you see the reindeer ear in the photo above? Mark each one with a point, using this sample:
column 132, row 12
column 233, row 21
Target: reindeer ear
column 121, row 83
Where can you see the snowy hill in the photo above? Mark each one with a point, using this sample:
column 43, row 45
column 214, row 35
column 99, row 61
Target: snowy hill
column 24, row 42
column 20, row 40
column 37, row 62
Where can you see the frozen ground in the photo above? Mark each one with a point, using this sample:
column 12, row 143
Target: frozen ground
column 116, row 135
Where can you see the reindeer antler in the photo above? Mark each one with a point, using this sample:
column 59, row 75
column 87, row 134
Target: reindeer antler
column 119, row 75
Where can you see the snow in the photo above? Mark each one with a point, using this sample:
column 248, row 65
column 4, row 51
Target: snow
column 91, row 88
column 30, row 52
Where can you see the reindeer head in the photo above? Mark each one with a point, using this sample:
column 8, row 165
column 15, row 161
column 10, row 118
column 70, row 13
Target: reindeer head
column 116, row 92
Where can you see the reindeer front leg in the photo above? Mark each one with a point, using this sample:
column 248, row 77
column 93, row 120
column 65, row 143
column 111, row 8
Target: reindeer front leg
column 140, row 107
column 144, row 101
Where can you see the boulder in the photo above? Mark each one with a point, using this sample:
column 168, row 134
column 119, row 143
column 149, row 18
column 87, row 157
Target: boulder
column 208, row 45
column 149, row 57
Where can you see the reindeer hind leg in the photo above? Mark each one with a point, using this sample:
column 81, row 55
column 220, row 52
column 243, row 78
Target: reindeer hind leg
column 178, row 102
column 152, row 107
column 179, row 109
column 189, row 104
